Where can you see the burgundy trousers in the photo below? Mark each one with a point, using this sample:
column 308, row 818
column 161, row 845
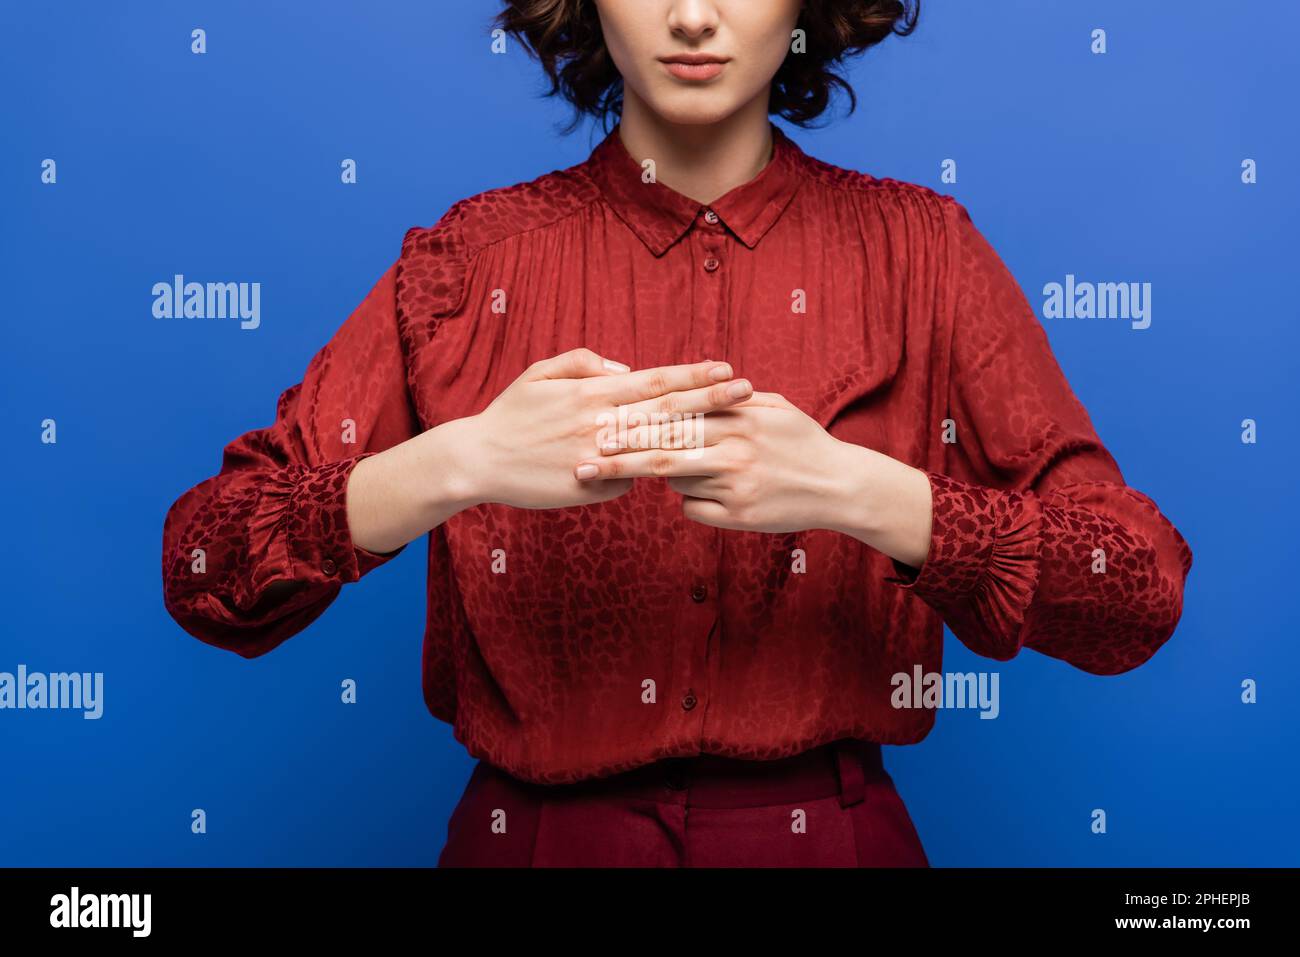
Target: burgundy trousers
column 832, row 806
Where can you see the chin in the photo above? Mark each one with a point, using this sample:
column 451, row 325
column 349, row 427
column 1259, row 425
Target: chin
column 694, row 109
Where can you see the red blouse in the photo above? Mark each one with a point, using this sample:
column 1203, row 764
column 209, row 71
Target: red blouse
column 579, row 642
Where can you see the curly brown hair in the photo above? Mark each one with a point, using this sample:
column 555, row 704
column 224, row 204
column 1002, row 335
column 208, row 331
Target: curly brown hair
column 565, row 37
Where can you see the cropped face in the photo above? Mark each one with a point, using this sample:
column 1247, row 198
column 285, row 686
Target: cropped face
column 697, row 61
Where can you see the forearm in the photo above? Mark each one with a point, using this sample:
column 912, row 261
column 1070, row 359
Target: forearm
column 397, row 495
column 882, row 502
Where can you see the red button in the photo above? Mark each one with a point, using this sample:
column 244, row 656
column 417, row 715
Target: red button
column 711, row 264
column 699, row 593
column 328, row 567
column 711, row 217
column 689, row 701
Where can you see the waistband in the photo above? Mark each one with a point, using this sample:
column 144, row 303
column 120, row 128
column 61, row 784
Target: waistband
column 842, row 768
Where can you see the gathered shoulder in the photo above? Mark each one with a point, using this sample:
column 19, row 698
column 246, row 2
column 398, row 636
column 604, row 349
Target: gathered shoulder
column 886, row 193
column 435, row 259
column 497, row 214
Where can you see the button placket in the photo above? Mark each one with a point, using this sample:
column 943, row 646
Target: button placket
column 699, row 618
column 699, row 595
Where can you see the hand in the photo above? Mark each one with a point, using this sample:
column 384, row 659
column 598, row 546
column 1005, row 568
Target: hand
column 765, row 466
column 761, row 465
column 520, row 450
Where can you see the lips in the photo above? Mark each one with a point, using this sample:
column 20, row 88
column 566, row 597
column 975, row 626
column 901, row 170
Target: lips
column 694, row 66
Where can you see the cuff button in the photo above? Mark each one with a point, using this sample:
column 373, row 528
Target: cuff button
column 328, row 567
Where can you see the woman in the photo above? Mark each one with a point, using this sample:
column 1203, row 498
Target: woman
column 682, row 644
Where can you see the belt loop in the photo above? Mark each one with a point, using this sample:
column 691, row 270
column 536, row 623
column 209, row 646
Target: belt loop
column 848, row 761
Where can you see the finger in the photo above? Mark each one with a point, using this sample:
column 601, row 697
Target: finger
column 653, row 463
column 652, row 383
column 694, row 431
column 770, row 400
column 712, row 398
column 574, row 364
column 706, row 512
column 698, row 486
column 690, row 432
column 604, row 491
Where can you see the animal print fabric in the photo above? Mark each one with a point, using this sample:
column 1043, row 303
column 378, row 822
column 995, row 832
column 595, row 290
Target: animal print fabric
column 620, row 634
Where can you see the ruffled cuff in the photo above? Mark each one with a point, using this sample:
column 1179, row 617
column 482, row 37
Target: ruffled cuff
column 983, row 553
column 300, row 528
column 319, row 540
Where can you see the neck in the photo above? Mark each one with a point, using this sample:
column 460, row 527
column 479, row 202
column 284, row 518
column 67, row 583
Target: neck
column 701, row 161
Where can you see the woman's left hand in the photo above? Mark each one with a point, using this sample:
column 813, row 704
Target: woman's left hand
column 759, row 466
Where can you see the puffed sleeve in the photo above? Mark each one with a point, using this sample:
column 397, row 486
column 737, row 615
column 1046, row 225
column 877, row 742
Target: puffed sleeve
column 257, row 552
column 1037, row 541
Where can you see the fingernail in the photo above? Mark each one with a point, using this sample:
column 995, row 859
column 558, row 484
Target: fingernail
column 610, row 446
column 585, row 471
column 720, row 373
column 739, row 389
column 613, row 366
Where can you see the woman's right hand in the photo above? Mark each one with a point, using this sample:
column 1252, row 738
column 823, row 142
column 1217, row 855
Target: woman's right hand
column 523, row 446
column 520, row 450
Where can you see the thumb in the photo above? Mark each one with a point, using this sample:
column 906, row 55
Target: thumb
column 574, row 364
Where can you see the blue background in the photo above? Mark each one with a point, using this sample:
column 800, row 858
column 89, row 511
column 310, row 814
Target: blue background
column 1124, row 166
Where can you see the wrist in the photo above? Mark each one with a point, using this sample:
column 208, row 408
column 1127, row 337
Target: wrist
column 453, row 484
column 851, row 504
column 884, row 503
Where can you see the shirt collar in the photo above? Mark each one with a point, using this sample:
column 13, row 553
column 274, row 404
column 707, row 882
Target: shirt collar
column 660, row 216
